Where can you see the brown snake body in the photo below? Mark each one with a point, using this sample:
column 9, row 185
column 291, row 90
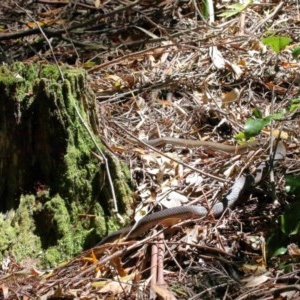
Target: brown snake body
column 193, row 211
column 199, row 143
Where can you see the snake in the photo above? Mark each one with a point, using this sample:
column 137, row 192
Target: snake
column 201, row 143
column 240, row 185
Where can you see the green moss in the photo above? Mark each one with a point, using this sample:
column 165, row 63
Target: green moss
column 17, row 230
column 28, row 71
column 8, row 232
column 60, row 219
column 17, row 81
column 50, row 72
column 21, row 231
column 8, row 80
column 122, row 181
column 78, row 180
column 66, row 236
column 54, row 158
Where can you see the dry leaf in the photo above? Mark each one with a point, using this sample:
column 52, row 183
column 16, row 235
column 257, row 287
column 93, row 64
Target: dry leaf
column 216, row 57
column 171, row 199
column 118, row 149
column 275, row 133
column 163, row 292
column 141, row 211
column 230, row 97
column 256, row 281
column 230, row 170
column 271, row 86
column 116, row 287
column 149, row 159
column 293, row 250
column 192, row 236
column 97, row 3
column 243, row 63
column 235, row 68
column 253, row 269
column 117, row 262
column 165, row 103
column 194, row 179
column 116, row 80
column 140, row 103
column 4, row 288
column 289, row 65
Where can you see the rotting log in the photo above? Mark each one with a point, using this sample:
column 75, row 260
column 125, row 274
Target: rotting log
column 55, row 197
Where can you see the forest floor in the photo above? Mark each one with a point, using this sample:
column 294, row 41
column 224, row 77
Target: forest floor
column 166, row 69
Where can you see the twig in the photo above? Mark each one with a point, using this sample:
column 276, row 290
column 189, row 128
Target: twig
column 117, row 60
column 160, row 259
column 48, row 41
column 58, row 33
column 66, row 2
column 104, row 159
column 273, row 14
column 112, row 256
column 154, row 265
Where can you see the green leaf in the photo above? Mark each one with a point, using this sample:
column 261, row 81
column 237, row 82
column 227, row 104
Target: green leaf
column 240, row 136
column 277, row 43
column 280, row 251
column 296, row 52
column 89, row 64
column 234, row 9
column 290, row 220
column 276, row 116
column 254, row 126
column 295, row 104
column 205, row 10
column 257, row 113
column 275, row 245
column 292, row 185
column 286, row 267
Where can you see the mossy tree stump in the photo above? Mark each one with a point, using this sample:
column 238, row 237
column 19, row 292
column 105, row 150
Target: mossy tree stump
column 54, row 198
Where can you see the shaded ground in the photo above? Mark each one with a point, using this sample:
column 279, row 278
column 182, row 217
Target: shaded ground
column 161, row 70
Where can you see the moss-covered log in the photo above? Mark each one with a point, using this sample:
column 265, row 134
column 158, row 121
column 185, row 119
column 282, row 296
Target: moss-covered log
column 54, row 197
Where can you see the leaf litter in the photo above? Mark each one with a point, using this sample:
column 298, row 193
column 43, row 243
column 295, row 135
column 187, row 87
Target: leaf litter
column 153, row 75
